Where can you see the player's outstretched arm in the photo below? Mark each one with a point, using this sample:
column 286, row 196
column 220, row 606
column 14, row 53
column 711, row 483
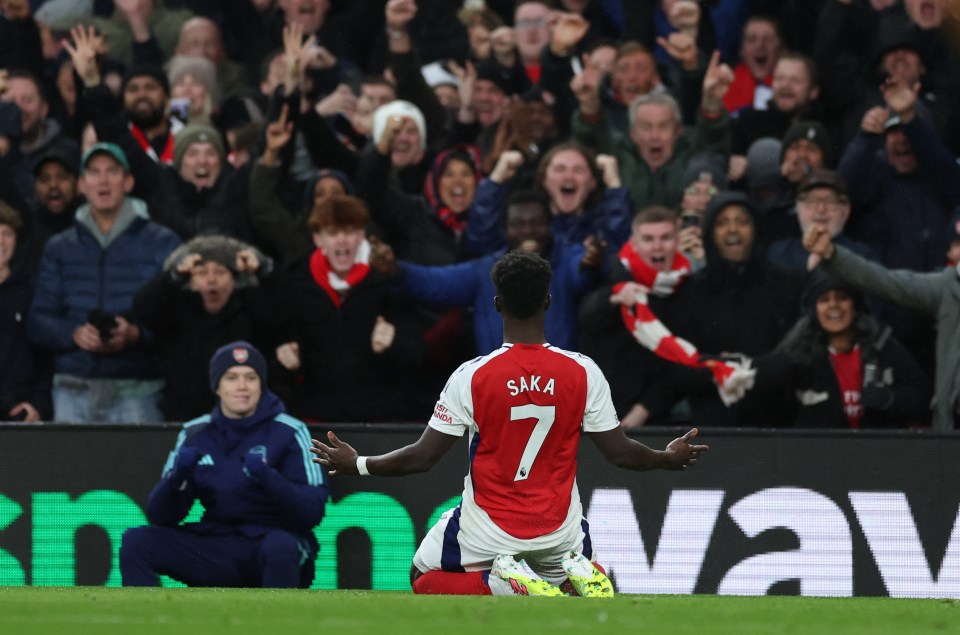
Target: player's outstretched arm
column 341, row 458
column 622, row 451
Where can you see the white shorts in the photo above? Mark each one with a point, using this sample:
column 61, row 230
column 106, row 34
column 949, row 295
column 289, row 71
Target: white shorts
column 458, row 543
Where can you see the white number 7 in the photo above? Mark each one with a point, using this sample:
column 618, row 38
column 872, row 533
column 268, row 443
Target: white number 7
column 545, row 416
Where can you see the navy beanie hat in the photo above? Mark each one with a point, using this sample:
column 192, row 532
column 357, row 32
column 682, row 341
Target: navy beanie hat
column 237, row 353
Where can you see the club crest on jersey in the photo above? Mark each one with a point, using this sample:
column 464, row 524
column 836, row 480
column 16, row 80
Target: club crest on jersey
column 530, row 384
column 241, row 355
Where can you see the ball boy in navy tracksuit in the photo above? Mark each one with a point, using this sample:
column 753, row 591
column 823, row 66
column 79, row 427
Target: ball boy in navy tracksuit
column 248, row 463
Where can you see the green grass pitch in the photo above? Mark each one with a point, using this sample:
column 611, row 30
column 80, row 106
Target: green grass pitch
column 81, row 610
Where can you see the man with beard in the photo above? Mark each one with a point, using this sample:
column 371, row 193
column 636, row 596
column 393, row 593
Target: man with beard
column 143, row 126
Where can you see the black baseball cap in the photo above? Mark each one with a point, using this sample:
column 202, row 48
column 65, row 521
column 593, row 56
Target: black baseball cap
column 64, row 156
column 823, row 178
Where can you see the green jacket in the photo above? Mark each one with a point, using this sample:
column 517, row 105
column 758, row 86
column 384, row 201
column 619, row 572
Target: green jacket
column 663, row 186
column 936, row 294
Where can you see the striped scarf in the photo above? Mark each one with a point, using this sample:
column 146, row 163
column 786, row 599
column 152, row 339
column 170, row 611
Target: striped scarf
column 335, row 286
column 733, row 379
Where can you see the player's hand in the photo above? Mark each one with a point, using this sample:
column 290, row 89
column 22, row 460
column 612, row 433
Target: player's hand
column 338, row 457
column 680, row 453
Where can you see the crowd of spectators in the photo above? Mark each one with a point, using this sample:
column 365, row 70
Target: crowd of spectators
column 332, row 180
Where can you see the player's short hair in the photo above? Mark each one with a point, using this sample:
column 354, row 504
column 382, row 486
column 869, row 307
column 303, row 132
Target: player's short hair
column 339, row 211
column 522, row 280
column 654, row 214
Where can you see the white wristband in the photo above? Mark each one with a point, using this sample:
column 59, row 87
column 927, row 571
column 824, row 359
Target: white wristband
column 362, row 466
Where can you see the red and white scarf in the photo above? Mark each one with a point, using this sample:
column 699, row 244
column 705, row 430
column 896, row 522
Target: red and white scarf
column 733, row 379
column 335, row 286
column 166, row 157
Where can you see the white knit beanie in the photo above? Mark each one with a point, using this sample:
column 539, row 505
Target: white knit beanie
column 398, row 108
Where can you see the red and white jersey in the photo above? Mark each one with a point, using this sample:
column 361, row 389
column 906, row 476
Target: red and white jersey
column 524, row 407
